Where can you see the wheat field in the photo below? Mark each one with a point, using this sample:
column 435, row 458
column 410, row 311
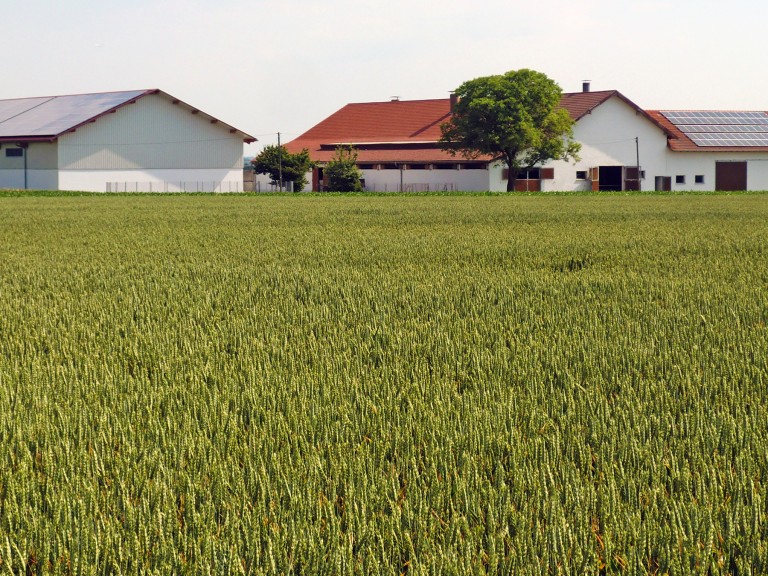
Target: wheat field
column 471, row 384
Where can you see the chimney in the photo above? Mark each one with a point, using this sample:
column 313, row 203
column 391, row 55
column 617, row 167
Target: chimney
column 454, row 100
column 585, row 86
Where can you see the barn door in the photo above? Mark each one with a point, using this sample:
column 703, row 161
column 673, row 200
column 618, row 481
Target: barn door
column 631, row 178
column 730, row 176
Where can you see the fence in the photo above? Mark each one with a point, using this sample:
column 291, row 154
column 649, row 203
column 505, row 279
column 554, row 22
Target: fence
column 193, row 186
column 415, row 187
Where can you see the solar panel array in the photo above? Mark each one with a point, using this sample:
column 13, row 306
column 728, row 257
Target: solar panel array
column 716, row 128
column 33, row 117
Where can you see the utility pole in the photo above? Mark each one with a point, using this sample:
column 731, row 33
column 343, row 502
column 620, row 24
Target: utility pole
column 280, row 161
column 637, row 153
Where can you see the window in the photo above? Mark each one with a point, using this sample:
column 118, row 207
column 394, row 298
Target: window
column 367, row 166
column 699, row 178
column 581, row 174
column 14, row 152
column 532, row 174
column 680, row 179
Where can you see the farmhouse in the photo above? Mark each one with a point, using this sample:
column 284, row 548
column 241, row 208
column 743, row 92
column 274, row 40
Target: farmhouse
column 141, row 140
column 623, row 148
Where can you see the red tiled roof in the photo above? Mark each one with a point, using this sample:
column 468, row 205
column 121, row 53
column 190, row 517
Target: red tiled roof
column 679, row 142
column 580, row 104
column 380, row 131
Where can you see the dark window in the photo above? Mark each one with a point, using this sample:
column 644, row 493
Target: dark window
column 444, row 166
column 680, row 179
column 532, row 174
column 642, row 174
column 699, row 178
column 417, row 166
column 14, row 152
column 390, row 166
column 581, row 174
column 474, row 166
column 367, row 166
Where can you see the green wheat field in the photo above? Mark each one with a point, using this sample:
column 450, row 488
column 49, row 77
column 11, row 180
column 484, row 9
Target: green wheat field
column 505, row 384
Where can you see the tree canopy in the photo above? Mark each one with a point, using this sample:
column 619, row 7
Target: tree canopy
column 341, row 172
column 294, row 166
column 515, row 118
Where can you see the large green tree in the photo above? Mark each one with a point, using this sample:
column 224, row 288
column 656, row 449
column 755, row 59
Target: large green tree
column 276, row 161
column 515, row 118
column 342, row 172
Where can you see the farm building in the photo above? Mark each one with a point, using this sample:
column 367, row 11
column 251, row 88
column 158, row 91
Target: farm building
column 623, row 148
column 141, row 140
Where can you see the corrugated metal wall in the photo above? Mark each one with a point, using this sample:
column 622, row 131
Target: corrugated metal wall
column 40, row 156
column 151, row 133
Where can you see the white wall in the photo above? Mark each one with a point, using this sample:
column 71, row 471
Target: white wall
column 690, row 164
column 420, row 180
column 152, row 180
column 607, row 138
column 152, row 133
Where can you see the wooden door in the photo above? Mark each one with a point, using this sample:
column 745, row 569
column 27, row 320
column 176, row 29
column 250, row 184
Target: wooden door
column 730, row 175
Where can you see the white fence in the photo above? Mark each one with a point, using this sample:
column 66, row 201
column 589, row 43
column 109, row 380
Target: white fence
column 193, row 186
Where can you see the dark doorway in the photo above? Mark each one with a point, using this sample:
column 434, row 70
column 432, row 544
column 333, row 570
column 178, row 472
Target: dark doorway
column 611, row 178
column 318, row 179
column 730, row 175
column 663, row 183
column 632, row 178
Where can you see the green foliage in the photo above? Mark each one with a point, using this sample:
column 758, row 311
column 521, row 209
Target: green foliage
column 342, row 172
column 294, row 166
column 384, row 385
column 513, row 117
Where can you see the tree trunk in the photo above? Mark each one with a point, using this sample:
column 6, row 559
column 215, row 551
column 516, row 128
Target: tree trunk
column 509, row 156
column 511, row 180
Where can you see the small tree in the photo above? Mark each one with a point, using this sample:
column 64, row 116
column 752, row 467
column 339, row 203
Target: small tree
column 515, row 118
column 274, row 160
column 342, row 172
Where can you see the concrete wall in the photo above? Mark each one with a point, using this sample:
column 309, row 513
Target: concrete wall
column 153, row 180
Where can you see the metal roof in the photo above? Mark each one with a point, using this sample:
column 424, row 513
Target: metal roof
column 46, row 118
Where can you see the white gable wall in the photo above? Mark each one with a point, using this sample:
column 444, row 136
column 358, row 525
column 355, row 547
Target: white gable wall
column 155, row 144
column 607, row 136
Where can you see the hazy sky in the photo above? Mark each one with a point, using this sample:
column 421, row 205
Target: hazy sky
column 283, row 65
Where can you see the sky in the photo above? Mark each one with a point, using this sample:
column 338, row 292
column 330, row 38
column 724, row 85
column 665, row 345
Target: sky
column 269, row 66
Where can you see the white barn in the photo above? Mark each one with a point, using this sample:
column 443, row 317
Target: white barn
column 141, row 140
column 623, row 148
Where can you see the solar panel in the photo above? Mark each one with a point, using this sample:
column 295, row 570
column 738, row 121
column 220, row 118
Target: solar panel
column 721, row 128
column 52, row 116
